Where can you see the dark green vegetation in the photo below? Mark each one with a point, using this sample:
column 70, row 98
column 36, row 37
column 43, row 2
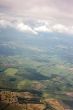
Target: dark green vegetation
column 17, row 72
column 69, row 103
column 3, row 106
column 43, row 62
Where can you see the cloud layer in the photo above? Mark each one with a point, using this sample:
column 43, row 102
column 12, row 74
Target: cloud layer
column 38, row 15
column 42, row 26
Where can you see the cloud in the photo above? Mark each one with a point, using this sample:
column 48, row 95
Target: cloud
column 25, row 28
column 36, row 16
column 20, row 26
column 60, row 10
column 60, row 28
column 42, row 26
column 4, row 23
column 49, row 27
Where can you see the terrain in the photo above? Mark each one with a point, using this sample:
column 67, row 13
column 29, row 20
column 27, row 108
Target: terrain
column 43, row 63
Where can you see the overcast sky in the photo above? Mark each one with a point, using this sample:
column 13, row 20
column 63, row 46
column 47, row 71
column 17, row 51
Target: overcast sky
column 37, row 15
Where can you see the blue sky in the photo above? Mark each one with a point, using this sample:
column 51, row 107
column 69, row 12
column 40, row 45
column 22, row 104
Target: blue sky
column 35, row 16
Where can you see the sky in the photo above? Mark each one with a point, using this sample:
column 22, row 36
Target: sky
column 36, row 16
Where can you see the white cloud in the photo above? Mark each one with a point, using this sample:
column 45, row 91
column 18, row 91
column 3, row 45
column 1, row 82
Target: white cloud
column 46, row 27
column 71, row 30
column 43, row 28
column 4, row 23
column 24, row 28
column 17, row 25
column 44, row 22
column 60, row 28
